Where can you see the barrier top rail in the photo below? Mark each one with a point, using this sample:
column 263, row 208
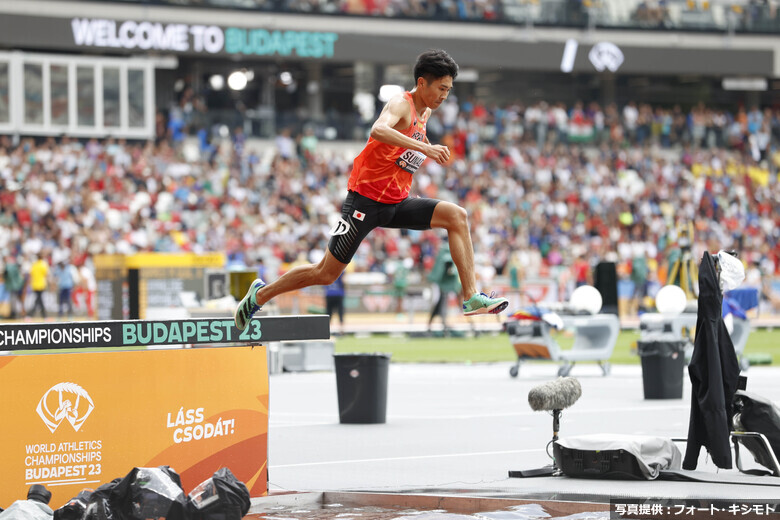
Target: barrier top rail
column 132, row 333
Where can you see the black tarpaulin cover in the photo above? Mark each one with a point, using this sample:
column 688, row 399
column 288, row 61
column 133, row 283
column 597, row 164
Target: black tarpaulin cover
column 759, row 414
column 75, row 508
column 99, row 506
column 143, row 493
column 221, row 497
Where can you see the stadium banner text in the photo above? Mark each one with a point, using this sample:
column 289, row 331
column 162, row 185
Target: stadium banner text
column 209, row 39
column 134, row 333
column 256, row 36
column 81, row 420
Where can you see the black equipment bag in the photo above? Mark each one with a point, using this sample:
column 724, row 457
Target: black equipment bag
column 615, row 456
column 606, row 464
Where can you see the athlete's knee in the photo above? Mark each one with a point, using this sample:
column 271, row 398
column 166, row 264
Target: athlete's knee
column 459, row 217
column 450, row 216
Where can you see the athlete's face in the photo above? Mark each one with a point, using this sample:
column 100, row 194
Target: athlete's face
column 435, row 92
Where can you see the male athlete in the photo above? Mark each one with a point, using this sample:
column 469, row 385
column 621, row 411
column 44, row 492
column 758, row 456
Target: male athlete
column 378, row 195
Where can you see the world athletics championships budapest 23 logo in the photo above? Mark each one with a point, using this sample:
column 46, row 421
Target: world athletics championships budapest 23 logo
column 69, row 401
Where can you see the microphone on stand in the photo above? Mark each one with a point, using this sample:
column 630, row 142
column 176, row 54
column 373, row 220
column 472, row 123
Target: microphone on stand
column 553, row 396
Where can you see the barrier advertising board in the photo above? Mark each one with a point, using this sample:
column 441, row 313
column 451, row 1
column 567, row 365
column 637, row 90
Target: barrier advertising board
column 133, row 333
column 75, row 421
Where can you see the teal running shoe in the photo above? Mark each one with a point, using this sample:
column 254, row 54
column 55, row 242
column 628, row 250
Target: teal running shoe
column 481, row 303
column 248, row 306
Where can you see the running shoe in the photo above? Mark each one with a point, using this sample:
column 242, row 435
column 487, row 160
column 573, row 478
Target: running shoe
column 248, row 306
column 481, row 303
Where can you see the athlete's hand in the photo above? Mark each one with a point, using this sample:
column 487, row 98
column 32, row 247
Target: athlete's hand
column 438, row 152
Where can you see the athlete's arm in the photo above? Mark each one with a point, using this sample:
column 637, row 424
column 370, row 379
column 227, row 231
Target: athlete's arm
column 395, row 115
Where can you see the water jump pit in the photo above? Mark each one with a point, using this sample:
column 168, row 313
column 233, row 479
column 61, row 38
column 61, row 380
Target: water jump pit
column 387, row 506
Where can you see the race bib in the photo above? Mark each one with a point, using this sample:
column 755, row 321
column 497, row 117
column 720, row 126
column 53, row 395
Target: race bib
column 410, row 160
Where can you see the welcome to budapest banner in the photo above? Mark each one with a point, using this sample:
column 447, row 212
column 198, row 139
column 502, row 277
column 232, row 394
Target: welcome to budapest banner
column 75, row 421
column 96, row 334
column 266, row 36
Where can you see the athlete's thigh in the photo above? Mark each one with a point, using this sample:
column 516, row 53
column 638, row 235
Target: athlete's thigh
column 359, row 215
column 413, row 213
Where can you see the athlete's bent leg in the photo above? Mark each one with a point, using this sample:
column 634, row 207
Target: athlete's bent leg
column 455, row 220
column 324, row 273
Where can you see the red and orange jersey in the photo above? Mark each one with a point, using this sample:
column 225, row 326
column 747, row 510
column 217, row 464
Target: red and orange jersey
column 383, row 172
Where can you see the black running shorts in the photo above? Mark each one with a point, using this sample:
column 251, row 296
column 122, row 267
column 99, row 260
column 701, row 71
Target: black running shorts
column 359, row 215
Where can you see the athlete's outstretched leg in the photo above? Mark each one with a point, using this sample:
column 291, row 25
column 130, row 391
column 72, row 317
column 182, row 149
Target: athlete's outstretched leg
column 323, row 273
column 455, row 220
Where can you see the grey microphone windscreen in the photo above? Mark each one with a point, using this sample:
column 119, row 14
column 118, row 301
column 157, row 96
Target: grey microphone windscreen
column 555, row 395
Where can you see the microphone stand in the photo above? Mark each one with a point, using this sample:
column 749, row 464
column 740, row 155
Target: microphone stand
column 550, row 470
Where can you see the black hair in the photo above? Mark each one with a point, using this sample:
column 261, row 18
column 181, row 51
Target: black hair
column 434, row 64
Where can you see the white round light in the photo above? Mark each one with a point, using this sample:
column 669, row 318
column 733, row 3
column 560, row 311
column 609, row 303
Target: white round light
column 237, row 80
column 217, row 82
column 386, row 92
column 670, row 300
column 286, row 78
column 586, row 298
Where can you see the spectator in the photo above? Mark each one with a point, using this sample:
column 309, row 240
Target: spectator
column 308, row 144
column 581, row 270
column 334, row 301
column 39, row 282
column 86, row 288
column 66, row 276
column 400, row 277
column 285, row 144
column 15, row 285
column 630, row 117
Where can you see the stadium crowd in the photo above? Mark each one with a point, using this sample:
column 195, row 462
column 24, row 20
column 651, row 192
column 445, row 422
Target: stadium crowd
column 744, row 15
column 550, row 191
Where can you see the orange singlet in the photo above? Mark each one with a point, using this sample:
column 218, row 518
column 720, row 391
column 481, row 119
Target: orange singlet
column 383, row 172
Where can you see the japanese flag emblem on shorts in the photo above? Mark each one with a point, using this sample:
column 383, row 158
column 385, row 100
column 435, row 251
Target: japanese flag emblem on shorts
column 359, row 215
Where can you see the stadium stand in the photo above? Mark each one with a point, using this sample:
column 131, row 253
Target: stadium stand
column 616, row 191
column 737, row 15
column 549, row 177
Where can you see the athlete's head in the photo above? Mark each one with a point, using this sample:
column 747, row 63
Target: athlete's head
column 434, row 64
column 434, row 73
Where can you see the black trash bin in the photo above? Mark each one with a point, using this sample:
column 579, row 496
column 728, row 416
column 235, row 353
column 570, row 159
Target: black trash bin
column 662, row 368
column 361, row 383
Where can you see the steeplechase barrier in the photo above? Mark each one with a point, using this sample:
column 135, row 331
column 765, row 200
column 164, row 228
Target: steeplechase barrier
column 80, row 419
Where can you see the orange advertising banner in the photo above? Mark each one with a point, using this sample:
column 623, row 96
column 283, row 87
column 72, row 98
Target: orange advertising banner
column 75, row 421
